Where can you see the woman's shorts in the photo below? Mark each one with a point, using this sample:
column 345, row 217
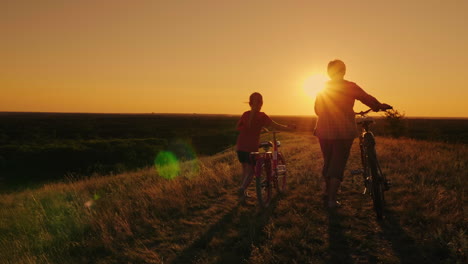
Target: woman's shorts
column 335, row 156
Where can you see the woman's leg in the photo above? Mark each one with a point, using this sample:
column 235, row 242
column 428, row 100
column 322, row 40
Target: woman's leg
column 325, row 147
column 339, row 158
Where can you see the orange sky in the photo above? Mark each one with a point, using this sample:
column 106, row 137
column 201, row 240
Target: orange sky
column 208, row 56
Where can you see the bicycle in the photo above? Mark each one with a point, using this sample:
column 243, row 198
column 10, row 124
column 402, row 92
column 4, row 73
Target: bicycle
column 269, row 170
column 374, row 180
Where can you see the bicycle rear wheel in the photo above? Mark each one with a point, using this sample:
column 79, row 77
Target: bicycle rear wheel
column 376, row 184
column 280, row 175
column 263, row 183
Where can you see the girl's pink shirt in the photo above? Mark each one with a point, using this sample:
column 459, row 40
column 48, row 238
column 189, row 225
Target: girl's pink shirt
column 249, row 136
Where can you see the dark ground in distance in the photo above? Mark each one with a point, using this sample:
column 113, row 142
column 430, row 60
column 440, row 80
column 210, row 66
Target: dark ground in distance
column 39, row 147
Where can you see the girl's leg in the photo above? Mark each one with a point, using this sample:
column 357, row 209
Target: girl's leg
column 247, row 172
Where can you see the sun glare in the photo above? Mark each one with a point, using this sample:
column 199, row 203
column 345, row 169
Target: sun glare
column 314, row 83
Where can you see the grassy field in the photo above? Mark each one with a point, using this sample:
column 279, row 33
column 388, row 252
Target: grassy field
column 40, row 147
column 37, row 148
column 141, row 217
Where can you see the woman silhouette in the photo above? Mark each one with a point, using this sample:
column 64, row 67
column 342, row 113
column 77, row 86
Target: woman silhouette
column 336, row 126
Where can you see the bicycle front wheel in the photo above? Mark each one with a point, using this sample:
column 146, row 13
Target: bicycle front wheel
column 376, row 184
column 280, row 174
column 263, row 183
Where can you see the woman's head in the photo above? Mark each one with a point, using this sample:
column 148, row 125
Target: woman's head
column 256, row 101
column 336, row 69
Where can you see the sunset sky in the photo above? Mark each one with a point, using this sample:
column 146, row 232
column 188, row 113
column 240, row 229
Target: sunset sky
column 190, row 56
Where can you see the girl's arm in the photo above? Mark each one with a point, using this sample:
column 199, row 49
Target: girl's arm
column 240, row 124
column 276, row 125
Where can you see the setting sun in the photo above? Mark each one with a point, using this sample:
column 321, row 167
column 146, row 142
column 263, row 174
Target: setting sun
column 314, row 83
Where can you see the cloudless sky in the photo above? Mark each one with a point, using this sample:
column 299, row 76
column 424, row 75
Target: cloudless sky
column 192, row 56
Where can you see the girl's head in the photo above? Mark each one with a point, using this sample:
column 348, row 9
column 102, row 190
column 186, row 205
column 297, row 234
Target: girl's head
column 256, row 101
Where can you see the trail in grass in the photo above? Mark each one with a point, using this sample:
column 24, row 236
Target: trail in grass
column 296, row 228
column 139, row 217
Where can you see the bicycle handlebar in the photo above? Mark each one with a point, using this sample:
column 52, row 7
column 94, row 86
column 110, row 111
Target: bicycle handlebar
column 271, row 131
column 362, row 113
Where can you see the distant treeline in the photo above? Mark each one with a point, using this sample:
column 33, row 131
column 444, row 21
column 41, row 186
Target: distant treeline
column 44, row 146
column 444, row 130
column 52, row 160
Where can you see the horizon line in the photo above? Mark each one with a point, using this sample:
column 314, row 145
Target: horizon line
column 220, row 114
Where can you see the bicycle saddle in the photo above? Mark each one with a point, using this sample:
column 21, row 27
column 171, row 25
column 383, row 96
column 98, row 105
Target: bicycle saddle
column 266, row 144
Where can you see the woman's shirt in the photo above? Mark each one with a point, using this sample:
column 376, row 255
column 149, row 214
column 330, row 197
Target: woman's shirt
column 249, row 136
column 334, row 108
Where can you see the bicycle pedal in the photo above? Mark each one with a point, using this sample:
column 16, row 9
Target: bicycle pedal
column 281, row 169
column 387, row 185
column 366, row 182
column 356, row 172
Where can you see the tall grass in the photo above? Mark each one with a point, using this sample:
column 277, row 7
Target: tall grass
column 430, row 181
column 71, row 222
column 140, row 217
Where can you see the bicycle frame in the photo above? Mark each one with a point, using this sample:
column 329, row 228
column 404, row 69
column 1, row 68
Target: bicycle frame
column 268, row 161
column 366, row 142
column 374, row 179
column 277, row 168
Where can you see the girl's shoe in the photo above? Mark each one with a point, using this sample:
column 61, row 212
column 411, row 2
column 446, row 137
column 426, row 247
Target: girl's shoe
column 242, row 195
column 334, row 204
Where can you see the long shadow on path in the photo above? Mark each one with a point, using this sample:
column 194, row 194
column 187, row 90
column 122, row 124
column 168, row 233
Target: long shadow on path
column 404, row 246
column 233, row 236
column 339, row 250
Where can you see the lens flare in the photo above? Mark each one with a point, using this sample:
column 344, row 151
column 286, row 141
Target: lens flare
column 167, row 165
column 180, row 158
column 190, row 168
column 183, row 149
column 89, row 204
column 314, row 84
column 186, row 154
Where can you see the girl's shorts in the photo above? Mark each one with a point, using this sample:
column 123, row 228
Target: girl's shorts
column 243, row 156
